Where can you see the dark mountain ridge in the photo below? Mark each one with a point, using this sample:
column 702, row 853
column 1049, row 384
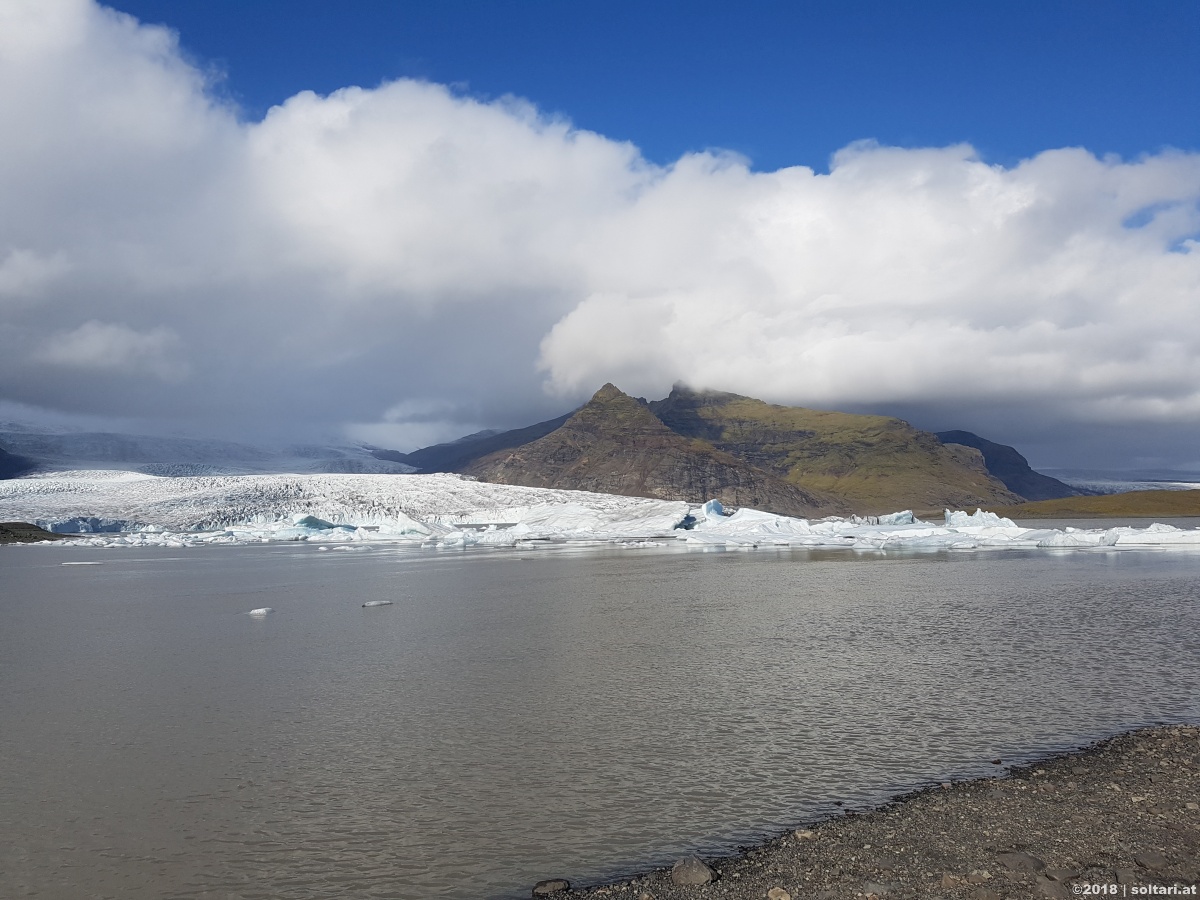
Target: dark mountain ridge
column 456, row 456
column 697, row 445
column 14, row 466
column 1012, row 468
column 614, row 444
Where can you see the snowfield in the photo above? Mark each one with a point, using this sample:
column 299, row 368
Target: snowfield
column 112, row 508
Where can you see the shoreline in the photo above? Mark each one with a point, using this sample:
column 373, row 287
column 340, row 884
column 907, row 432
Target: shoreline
column 25, row 533
column 1117, row 818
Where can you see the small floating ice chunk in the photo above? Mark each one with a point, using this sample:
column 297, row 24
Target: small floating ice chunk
column 83, row 563
column 377, row 603
column 261, row 611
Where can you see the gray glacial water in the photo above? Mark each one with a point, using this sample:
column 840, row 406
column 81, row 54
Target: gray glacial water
column 518, row 715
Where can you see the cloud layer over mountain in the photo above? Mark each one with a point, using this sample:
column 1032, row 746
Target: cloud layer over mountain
column 411, row 262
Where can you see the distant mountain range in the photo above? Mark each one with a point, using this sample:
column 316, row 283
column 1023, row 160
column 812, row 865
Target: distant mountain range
column 25, row 448
column 14, row 466
column 691, row 445
column 697, row 445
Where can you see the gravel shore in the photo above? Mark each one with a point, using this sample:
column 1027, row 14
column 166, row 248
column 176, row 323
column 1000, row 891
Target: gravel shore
column 1121, row 818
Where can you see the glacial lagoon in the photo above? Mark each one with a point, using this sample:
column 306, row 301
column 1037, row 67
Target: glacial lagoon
column 518, row 714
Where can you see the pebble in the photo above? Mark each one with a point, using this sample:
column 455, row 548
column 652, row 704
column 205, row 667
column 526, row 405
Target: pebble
column 805, row 834
column 1020, row 861
column 1047, row 888
column 551, row 886
column 1150, row 859
column 985, row 894
column 691, row 870
column 778, row 893
column 1061, row 874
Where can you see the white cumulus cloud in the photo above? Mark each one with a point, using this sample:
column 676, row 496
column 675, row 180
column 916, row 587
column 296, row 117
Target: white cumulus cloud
column 355, row 257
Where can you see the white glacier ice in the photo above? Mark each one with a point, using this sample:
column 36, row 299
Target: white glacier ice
column 960, row 519
column 450, row 512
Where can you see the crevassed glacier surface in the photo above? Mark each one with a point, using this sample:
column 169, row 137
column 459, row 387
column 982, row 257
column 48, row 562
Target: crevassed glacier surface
column 109, row 508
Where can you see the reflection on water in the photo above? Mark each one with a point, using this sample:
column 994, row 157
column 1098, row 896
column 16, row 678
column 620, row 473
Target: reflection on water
column 520, row 715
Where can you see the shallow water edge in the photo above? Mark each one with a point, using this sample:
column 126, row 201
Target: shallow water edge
column 1120, row 812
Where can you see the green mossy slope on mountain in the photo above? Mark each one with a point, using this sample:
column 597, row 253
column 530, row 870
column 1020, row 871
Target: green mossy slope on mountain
column 614, row 444
column 876, row 463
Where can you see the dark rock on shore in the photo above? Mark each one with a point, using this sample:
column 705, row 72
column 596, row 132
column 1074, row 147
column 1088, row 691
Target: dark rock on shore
column 551, row 886
column 1122, row 813
column 1019, row 861
column 691, row 870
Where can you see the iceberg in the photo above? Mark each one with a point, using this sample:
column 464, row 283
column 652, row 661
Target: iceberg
column 960, row 519
column 303, row 521
column 83, row 525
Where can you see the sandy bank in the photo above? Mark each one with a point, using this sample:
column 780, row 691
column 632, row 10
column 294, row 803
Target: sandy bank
column 1116, row 819
column 1130, row 504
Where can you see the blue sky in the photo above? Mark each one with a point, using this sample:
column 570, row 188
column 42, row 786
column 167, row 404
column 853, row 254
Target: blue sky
column 781, row 83
column 975, row 216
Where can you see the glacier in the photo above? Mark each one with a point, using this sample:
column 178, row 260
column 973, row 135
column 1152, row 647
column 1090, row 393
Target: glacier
column 111, row 508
